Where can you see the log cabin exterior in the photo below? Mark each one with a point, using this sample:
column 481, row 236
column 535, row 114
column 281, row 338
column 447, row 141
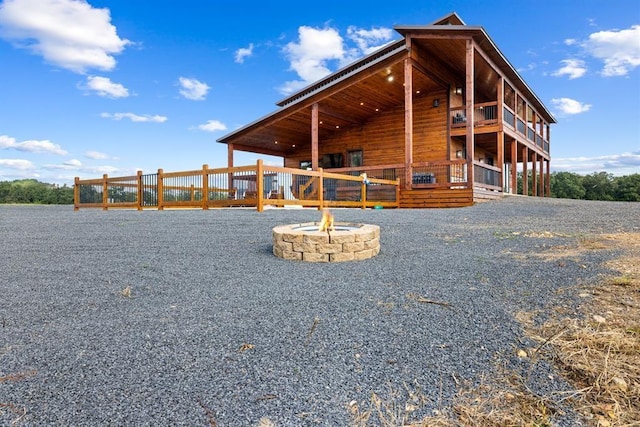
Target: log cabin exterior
column 441, row 109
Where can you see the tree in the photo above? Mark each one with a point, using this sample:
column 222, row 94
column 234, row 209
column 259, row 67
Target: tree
column 627, row 188
column 598, row 186
column 567, row 185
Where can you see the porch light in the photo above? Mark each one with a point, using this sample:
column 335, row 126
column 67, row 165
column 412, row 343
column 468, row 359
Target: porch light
column 436, row 103
column 458, row 90
column 390, row 78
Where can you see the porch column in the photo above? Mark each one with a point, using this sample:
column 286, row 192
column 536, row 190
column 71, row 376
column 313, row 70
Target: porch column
column 534, row 174
column 525, row 172
column 548, row 181
column 500, row 159
column 408, row 123
column 230, row 165
column 314, row 136
column 542, row 184
column 469, row 99
column 514, row 167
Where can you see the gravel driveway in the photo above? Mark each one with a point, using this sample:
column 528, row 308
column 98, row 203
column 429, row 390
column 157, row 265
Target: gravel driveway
column 218, row 328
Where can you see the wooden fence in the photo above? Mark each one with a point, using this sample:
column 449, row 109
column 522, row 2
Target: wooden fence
column 255, row 186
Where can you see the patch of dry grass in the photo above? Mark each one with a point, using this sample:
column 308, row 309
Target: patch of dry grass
column 597, row 352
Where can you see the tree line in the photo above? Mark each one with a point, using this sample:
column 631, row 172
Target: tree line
column 567, row 185
column 35, row 192
column 595, row 186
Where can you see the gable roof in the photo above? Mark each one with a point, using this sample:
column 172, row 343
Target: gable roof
column 292, row 119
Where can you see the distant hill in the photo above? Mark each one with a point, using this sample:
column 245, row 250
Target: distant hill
column 35, row 192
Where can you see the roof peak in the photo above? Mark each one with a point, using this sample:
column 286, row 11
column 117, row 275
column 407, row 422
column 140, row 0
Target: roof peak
column 450, row 19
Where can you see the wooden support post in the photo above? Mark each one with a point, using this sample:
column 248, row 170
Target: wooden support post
column 230, row 165
column 315, row 114
column 397, row 192
column 548, row 181
column 76, row 194
column 534, row 174
column 408, row 123
column 525, row 172
column 320, row 189
column 160, row 186
column 363, row 194
column 140, row 201
column 514, row 167
column 469, row 100
column 105, row 192
column 205, row 187
column 259, row 186
column 541, row 193
column 500, row 159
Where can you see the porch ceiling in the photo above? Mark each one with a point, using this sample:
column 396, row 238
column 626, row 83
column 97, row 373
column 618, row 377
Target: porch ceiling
column 350, row 104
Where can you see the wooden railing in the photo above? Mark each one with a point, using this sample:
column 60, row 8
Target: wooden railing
column 487, row 176
column 256, row 185
column 447, row 173
column 484, row 114
column 518, row 124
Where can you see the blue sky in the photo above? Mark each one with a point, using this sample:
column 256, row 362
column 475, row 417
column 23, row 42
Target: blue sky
column 112, row 86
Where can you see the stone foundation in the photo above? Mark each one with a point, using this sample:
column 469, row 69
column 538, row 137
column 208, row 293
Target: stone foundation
column 294, row 242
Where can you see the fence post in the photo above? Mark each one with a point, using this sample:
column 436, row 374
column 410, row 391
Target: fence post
column 160, row 190
column 259, row 186
column 205, row 187
column 321, row 189
column 105, row 192
column 76, row 194
column 397, row 192
column 140, row 190
column 363, row 194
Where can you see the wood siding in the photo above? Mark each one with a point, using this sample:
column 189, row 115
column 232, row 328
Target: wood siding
column 381, row 139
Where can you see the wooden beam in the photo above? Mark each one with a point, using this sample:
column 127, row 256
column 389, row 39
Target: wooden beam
column 514, row 166
column 230, row 155
column 470, row 143
column 534, row 174
column 548, row 181
column 408, row 122
column 500, row 159
column 542, row 184
column 525, row 172
column 314, row 136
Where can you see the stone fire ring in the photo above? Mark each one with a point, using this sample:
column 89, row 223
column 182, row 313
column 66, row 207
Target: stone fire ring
column 348, row 242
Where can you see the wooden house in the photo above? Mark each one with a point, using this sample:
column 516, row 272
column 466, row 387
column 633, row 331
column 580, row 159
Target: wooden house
column 441, row 109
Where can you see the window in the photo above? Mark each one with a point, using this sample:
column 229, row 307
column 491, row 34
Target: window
column 355, row 158
column 329, row 161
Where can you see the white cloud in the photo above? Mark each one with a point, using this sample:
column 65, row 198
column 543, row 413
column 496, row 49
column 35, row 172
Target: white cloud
column 31, row 146
column 212, row 126
column 619, row 50
column 68, row 33
column 17, row 164
column 135, row 117
column 97, row 155
column 618, row 164
column 244, row 52
column 568, row 106
column 310, row 55
column 193, row 89
column 103, row 86
column 318, row 51
column 369, row 40
column 570, row 42
column 574, row 68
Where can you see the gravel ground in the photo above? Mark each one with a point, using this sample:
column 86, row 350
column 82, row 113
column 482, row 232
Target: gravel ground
column 217, row 327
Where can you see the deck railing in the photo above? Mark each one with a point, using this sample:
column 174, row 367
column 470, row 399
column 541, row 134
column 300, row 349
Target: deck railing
column 487, row 176
column 256, row 185
column 452, row 173
column 484, row 114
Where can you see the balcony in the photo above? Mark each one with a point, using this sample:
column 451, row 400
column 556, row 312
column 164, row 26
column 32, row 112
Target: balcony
column 484, row 114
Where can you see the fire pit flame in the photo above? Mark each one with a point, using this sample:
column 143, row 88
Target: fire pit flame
column 326, row 224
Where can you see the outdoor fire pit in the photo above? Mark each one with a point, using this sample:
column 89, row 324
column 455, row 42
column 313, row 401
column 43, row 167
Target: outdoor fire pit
column 326, row 241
